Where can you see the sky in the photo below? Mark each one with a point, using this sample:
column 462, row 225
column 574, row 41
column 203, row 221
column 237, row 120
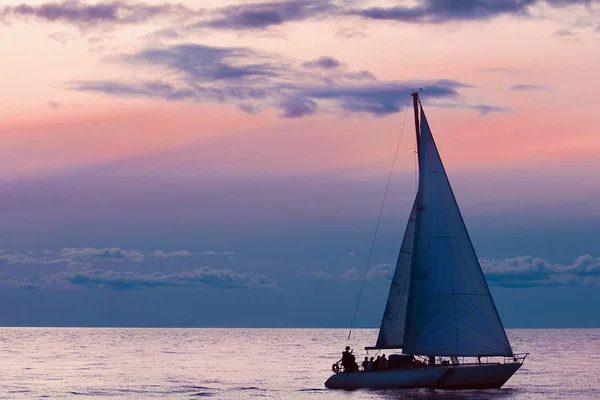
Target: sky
column 223, row 163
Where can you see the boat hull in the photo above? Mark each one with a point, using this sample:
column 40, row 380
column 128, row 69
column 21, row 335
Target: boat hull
column 465, row 376
column 391, row 379
column 477, row 376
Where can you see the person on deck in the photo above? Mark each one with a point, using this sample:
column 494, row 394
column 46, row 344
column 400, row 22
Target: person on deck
column 346, row 355
column 365, row 364
column 348, row 360
column 370, row 366
column 383, row 363
column 376, row 363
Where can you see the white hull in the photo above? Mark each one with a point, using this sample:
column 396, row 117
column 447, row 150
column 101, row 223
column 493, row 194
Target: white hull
column 465, row 376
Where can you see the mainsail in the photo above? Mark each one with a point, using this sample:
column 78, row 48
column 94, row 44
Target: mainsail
column 439, row 305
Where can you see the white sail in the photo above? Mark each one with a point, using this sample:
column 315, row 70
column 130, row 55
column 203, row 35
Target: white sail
column 450, row 308
column 391, row 332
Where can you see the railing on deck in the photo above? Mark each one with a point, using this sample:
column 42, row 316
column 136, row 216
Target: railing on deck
column 424, row 361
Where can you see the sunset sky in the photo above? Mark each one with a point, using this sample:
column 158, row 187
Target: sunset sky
column 223, row 163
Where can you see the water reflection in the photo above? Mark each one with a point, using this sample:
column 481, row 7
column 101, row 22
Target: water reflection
column 435, row 394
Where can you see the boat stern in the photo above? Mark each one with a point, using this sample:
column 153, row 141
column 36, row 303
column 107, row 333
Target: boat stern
column 483, row 376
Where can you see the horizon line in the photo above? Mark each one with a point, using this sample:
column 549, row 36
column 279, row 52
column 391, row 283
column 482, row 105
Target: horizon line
column 235, row 327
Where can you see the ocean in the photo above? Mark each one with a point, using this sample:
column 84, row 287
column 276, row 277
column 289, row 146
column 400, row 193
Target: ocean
column 141, row 363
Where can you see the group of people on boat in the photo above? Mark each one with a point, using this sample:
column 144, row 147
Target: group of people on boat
column 375, row 364
column 349, row 364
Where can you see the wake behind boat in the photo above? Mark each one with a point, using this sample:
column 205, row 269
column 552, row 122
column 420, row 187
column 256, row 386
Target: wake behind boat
column 440, row 311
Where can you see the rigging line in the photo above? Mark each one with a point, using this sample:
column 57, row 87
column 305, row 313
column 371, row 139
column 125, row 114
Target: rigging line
column 387, row 187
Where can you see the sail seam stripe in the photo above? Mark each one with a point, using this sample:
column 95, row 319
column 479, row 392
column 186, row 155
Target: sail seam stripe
column 487, row 325
column 481, row 338
column 432, row 317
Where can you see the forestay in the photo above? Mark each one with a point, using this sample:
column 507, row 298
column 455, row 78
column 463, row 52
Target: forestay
column 450, row 309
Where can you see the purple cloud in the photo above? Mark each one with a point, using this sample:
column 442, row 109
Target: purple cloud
column 564, row 33
column 201, row 63
column 254, row 81
column 294, row 107
column 90, row 15
column 261, row 15
column 483, row 109
column 443, row 11
column 323, row 62
column 266, row 14
column 524, row 87
column 382, row 98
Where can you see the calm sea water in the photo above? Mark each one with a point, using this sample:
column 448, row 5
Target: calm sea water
column 66, row 363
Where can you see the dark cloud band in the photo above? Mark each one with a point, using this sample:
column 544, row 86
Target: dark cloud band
column 254, row 81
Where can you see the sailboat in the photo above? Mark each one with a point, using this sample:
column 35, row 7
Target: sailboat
column 439, row 311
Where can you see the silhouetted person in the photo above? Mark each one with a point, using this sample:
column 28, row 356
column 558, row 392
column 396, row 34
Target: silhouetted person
column 370, row 366
column 348, row 360
column 376, row 363
column 365, row 364
column 346, row 356
column 383, row 364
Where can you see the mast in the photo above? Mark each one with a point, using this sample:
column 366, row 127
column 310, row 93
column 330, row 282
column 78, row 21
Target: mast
column 415, row 96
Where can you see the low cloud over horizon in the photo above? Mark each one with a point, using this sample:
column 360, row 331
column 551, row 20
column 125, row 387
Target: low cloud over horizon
column 515, row 272
column 91, row 254
column 80, row 263
column 184, row 289
column 81, row 270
